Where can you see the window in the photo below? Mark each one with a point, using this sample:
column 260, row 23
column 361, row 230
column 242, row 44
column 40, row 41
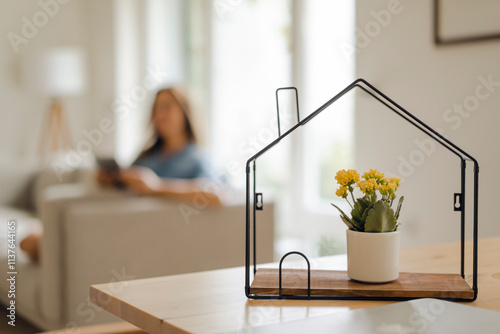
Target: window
column 244, row 51
column 250, row 54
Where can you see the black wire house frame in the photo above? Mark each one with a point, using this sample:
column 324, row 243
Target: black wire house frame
column 254, row 200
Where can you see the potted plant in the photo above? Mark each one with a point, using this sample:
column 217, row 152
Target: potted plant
column 372, row 235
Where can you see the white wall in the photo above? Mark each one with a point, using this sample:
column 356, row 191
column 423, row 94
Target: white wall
column 100, row 28
column 87, row 25
column 22, row 112
column 401, row 59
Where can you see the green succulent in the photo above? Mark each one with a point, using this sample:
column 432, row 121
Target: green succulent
column 369, row 213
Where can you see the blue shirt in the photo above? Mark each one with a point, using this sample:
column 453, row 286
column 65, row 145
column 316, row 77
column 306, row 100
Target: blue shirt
column 184, row 164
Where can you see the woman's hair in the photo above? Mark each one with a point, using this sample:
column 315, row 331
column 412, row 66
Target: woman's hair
column 156, row 142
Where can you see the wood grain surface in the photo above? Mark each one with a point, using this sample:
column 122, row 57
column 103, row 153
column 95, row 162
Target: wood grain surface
column 337, row 283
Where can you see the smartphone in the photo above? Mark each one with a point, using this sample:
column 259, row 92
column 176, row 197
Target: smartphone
column 111, row 167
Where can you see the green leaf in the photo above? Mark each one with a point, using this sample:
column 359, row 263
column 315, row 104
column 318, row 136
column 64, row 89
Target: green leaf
column 398, row 209
column 358, row 224
column 348, row 223
column 341, row 212
column 380, row 218
column 360, row 207
column 345, row 218
column 367, row 210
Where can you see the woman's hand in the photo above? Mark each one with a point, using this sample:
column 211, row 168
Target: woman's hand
column 144, row 181
column 141, row 180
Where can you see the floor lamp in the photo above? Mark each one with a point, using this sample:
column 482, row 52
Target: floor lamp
column 59, row 73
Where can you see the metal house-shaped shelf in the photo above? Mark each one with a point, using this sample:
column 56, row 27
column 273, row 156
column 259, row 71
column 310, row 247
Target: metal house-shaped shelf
column 321, row 284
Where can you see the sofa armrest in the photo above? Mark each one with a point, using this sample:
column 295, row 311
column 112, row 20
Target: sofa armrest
column 54, row 201
column 138, row 237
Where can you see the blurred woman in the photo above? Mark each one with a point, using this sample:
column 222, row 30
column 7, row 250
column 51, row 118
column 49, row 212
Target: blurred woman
column 171, row 166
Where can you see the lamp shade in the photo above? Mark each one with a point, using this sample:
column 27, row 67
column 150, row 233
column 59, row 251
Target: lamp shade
column 57, row 72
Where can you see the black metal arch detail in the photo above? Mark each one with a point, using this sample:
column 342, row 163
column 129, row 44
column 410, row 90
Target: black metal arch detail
column 308, row 273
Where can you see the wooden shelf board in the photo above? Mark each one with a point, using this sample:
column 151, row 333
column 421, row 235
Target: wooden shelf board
column 337, row 283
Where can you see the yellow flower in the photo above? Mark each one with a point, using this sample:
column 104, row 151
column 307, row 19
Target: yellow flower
column 381, row 187
column 341, row 192
column 395, row 180
column 363, row 185
column 373, row 174
column 367, row 185
column 347, row 177
column 393, row 183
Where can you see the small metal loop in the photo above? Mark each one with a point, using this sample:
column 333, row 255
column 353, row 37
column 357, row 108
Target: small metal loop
column 259, row 202
column 308, row 273
column 278, row 105
column 457, row 202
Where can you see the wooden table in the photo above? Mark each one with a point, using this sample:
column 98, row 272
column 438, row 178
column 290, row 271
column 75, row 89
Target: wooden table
column 214, row 301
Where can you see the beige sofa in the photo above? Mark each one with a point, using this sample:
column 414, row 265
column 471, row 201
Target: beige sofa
column 93, row 236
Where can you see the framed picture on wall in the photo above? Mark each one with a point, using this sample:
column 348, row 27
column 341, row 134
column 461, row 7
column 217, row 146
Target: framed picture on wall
column 460, row 21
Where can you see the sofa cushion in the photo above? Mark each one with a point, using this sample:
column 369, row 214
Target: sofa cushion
column 26, row 223
column 16, row 178
column 49, row 177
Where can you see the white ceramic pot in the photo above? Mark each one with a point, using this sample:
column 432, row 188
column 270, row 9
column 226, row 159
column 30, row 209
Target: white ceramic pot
column 373, row 257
